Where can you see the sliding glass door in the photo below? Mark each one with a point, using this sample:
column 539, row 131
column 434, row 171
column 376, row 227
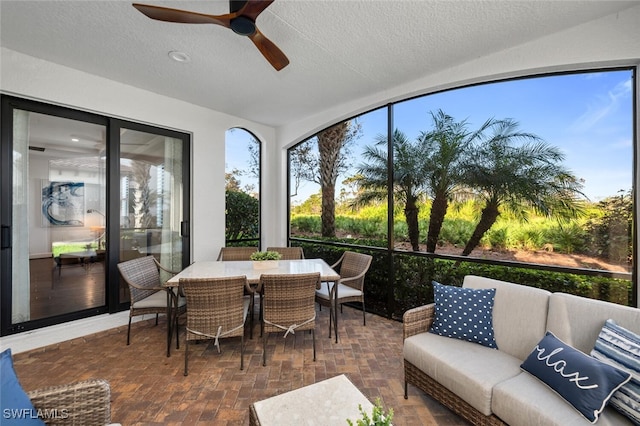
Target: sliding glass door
column 152, row 197
column 80, row 193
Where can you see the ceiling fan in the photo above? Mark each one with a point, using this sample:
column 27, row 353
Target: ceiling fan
column 241, row 20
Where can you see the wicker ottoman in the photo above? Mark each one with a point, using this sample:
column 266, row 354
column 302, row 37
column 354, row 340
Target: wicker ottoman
column 329, row 402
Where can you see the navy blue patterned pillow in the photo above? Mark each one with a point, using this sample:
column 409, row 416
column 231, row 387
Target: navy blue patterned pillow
column 581, row 380
column 464, row 313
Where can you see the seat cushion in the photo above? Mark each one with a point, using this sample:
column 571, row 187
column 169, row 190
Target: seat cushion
column 467, row 369
column 526, row 401
column 577, row 320
column 156, row 300
column 343, row 291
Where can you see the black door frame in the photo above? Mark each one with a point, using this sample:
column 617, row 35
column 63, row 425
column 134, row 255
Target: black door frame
column 112, row 279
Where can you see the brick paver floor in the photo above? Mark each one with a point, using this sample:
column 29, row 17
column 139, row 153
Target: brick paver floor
column 149, row 388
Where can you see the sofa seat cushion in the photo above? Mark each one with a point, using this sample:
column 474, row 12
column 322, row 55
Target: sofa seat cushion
column 467, row 369
column 524, row 400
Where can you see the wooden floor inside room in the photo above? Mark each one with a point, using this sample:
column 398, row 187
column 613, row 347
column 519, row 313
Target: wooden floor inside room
column 150, row 389
column 56, row 291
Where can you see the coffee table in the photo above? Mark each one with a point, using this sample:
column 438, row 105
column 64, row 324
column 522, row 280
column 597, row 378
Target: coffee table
column 329, row 402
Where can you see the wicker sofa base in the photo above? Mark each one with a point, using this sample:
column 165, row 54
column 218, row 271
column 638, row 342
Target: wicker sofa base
column 413, row 375
column 86, row 403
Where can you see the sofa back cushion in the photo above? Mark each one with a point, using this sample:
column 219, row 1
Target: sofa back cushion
column 519, row 314
column 578, row 320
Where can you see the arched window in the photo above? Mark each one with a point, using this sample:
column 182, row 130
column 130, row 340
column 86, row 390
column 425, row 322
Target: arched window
column 242, row 188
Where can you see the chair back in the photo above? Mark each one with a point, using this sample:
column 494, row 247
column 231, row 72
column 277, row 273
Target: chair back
column 236, row 253
column 355, row 265
column 142, row 276
column 215, row 306
column 289, row 300
column 288, row 253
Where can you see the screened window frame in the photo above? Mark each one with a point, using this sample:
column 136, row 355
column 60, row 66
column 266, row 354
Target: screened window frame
column 391, row 250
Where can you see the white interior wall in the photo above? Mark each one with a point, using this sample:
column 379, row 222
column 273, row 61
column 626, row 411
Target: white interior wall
column 33, row 78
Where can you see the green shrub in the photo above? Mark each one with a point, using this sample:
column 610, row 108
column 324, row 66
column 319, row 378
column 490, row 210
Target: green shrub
column 456, row 232
column 570, row 238
column 497, row 238
column 309, row 224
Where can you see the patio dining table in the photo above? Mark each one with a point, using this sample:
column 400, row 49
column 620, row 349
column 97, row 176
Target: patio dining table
column 253, row 270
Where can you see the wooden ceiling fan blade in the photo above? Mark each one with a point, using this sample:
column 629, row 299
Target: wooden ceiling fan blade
column 183, row 16
column 254, row 8
column 269, row 50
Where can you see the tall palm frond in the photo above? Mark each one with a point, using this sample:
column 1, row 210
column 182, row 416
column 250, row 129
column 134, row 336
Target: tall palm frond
column 519, row 178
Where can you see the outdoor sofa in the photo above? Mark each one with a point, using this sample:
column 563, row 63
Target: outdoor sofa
column 84, row 403
column 488, row 386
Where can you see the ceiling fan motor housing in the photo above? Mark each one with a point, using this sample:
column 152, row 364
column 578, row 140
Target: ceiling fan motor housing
column 243, row 26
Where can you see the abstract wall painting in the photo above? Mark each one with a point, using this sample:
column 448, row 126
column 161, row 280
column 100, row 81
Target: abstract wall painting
column 63, row 203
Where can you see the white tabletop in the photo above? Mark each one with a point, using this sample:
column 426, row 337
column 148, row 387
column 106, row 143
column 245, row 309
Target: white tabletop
column 327, row 403
column 219, row 269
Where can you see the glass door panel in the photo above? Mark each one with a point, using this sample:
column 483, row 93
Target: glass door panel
column 58, row 201
column 151, row 198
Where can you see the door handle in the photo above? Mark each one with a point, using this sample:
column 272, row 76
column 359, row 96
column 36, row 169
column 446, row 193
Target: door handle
column 184, row 229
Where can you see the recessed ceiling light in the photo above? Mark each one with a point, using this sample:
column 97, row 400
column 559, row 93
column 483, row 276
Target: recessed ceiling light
column 75, row 140
column 178, row 56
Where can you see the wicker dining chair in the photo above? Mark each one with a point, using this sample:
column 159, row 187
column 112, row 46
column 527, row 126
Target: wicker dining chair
column 216, row 308
column 148, row 296
column 288, row 253
column 288, row 305
column 353, row 267
column 236, row 253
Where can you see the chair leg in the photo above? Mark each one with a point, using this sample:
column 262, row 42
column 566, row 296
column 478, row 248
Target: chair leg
column 364, row 314
column 156, row 319
column 177, row 332
column 251, row 315
column 186, row 358
column 242, row 352
column 264, row 349
column 331, row 314
column 129, row 331
column 313, row 334
column 261, row 324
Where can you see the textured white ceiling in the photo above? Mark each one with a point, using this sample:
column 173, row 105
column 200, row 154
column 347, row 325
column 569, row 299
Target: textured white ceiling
column 338, row 50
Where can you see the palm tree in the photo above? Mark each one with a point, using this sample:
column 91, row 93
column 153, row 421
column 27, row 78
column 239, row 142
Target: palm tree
column 145, row 198
column 443, row 151
column 323, row 168
column 519, row 177
column 408, row 178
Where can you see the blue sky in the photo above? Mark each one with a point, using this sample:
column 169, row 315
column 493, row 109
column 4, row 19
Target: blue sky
column 588, row 116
